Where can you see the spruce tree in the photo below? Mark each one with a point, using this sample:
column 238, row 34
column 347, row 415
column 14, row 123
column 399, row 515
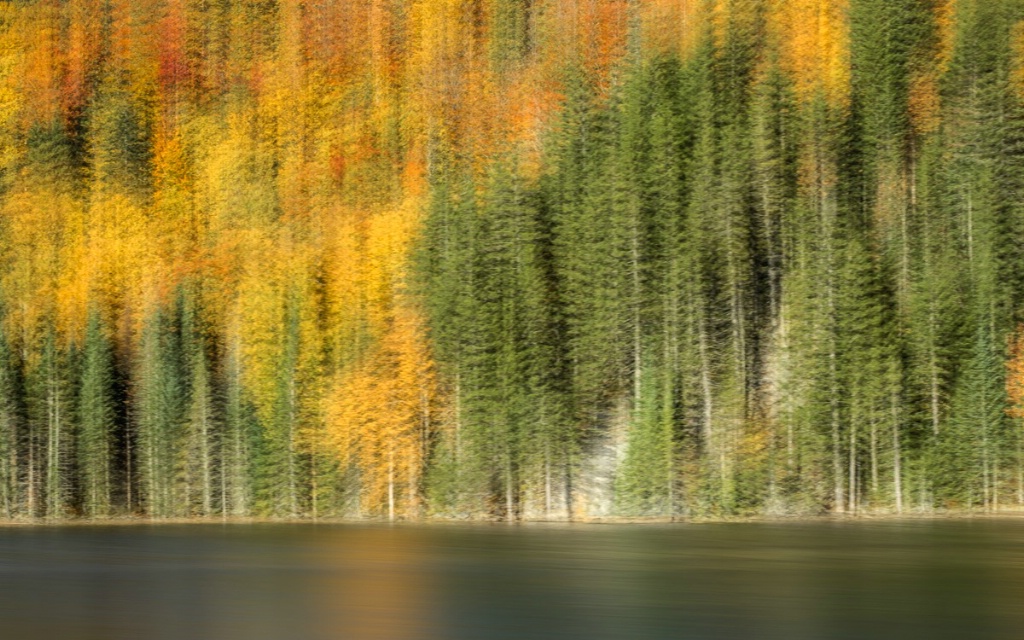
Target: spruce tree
column 96, row 416
column 160, row 403
column 970, row 456
column 11, row 420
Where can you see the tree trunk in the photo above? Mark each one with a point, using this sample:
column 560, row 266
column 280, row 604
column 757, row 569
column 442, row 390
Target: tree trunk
column 897, row 462
column 391, row 486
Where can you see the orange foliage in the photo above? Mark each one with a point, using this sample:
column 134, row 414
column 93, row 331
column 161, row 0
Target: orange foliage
column 41, row 85
column 1015, row 375
column 1017, row 72
column 83, row 52
column 174, row 74
column 945, row 22
column 924, row 103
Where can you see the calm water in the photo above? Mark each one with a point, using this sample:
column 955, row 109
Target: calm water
column 953, row 579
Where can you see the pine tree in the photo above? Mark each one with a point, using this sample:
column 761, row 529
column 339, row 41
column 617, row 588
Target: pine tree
column 202, row 433
column 96, row 421
column 240, row 438
column 10, row 426
column 969, row 456
column 160, row 403
column 50, row 431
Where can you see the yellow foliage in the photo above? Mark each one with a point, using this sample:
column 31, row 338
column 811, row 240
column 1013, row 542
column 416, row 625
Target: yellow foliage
column 379, row 416
column 11, row 69
column 673, row 25
column 289, row 153
column 262, row 299
column 120, row 267
column 730, row 18
column 814, row 36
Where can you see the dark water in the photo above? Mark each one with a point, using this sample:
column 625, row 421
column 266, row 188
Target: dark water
column 943, row 579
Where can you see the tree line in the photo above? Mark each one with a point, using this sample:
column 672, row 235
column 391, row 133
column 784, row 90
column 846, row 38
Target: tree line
column 509, row 260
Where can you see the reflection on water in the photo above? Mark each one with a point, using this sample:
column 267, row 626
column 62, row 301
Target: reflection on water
column 943, row 579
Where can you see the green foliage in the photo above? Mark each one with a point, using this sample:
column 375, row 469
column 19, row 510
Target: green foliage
column 161, row 398
column 969, row 453
column 10, row 423
column 707, row 284
column 122, row 147
column 96, row 415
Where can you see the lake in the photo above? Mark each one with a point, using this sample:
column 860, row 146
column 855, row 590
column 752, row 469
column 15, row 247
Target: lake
column 820, row 580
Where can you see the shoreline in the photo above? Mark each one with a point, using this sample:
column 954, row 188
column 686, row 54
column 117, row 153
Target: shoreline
column 135, row 521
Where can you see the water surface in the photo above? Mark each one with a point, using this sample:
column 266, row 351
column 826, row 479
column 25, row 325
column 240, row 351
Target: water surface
column 912, row 579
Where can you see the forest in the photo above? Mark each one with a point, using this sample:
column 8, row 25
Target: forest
column 510, row 259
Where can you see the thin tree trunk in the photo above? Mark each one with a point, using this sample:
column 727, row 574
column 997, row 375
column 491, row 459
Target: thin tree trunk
column 897, row 462
column 995, row 483
column 1020, row 472
column 874, row 460
column 837, row 463
column 509, row 505
column 970, row 230
column 391, row 485
column 32, row 498
column 207, row 486
column 314, row 485
column 934, row 385
column 293, row 491
column 128, row 448
column 637, row 356
column 223, row 483
column 547, row 480
column 984, row 473
column 853, row 466
column 705, row 384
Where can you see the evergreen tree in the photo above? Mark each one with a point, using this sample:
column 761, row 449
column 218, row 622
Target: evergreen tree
column 10, row 427
column 96, row 415
column 161, row 401
column 202, row 434
column 970, row 456
column 51, row 432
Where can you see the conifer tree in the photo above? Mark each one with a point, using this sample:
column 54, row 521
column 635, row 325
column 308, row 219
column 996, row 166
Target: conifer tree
column 51, row 431
column 10, row 427
column 161, row 401
column 969, row 459
column 96, row 417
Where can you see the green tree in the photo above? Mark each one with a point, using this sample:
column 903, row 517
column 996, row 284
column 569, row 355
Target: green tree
column 11, row 421
column 96, row 415
column 161, row 399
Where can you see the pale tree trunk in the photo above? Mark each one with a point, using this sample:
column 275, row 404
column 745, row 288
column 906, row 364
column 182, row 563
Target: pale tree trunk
column 509, row 502
column 853, row 466
column 314, row 484
column 391, row 485
column 293, row 491
column 207, row 486
column 1020, row 472
column 547, row 480
column 637, row 361
column 837, row 462
column 705, row 384
column 897, row 462
column 874, row 461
